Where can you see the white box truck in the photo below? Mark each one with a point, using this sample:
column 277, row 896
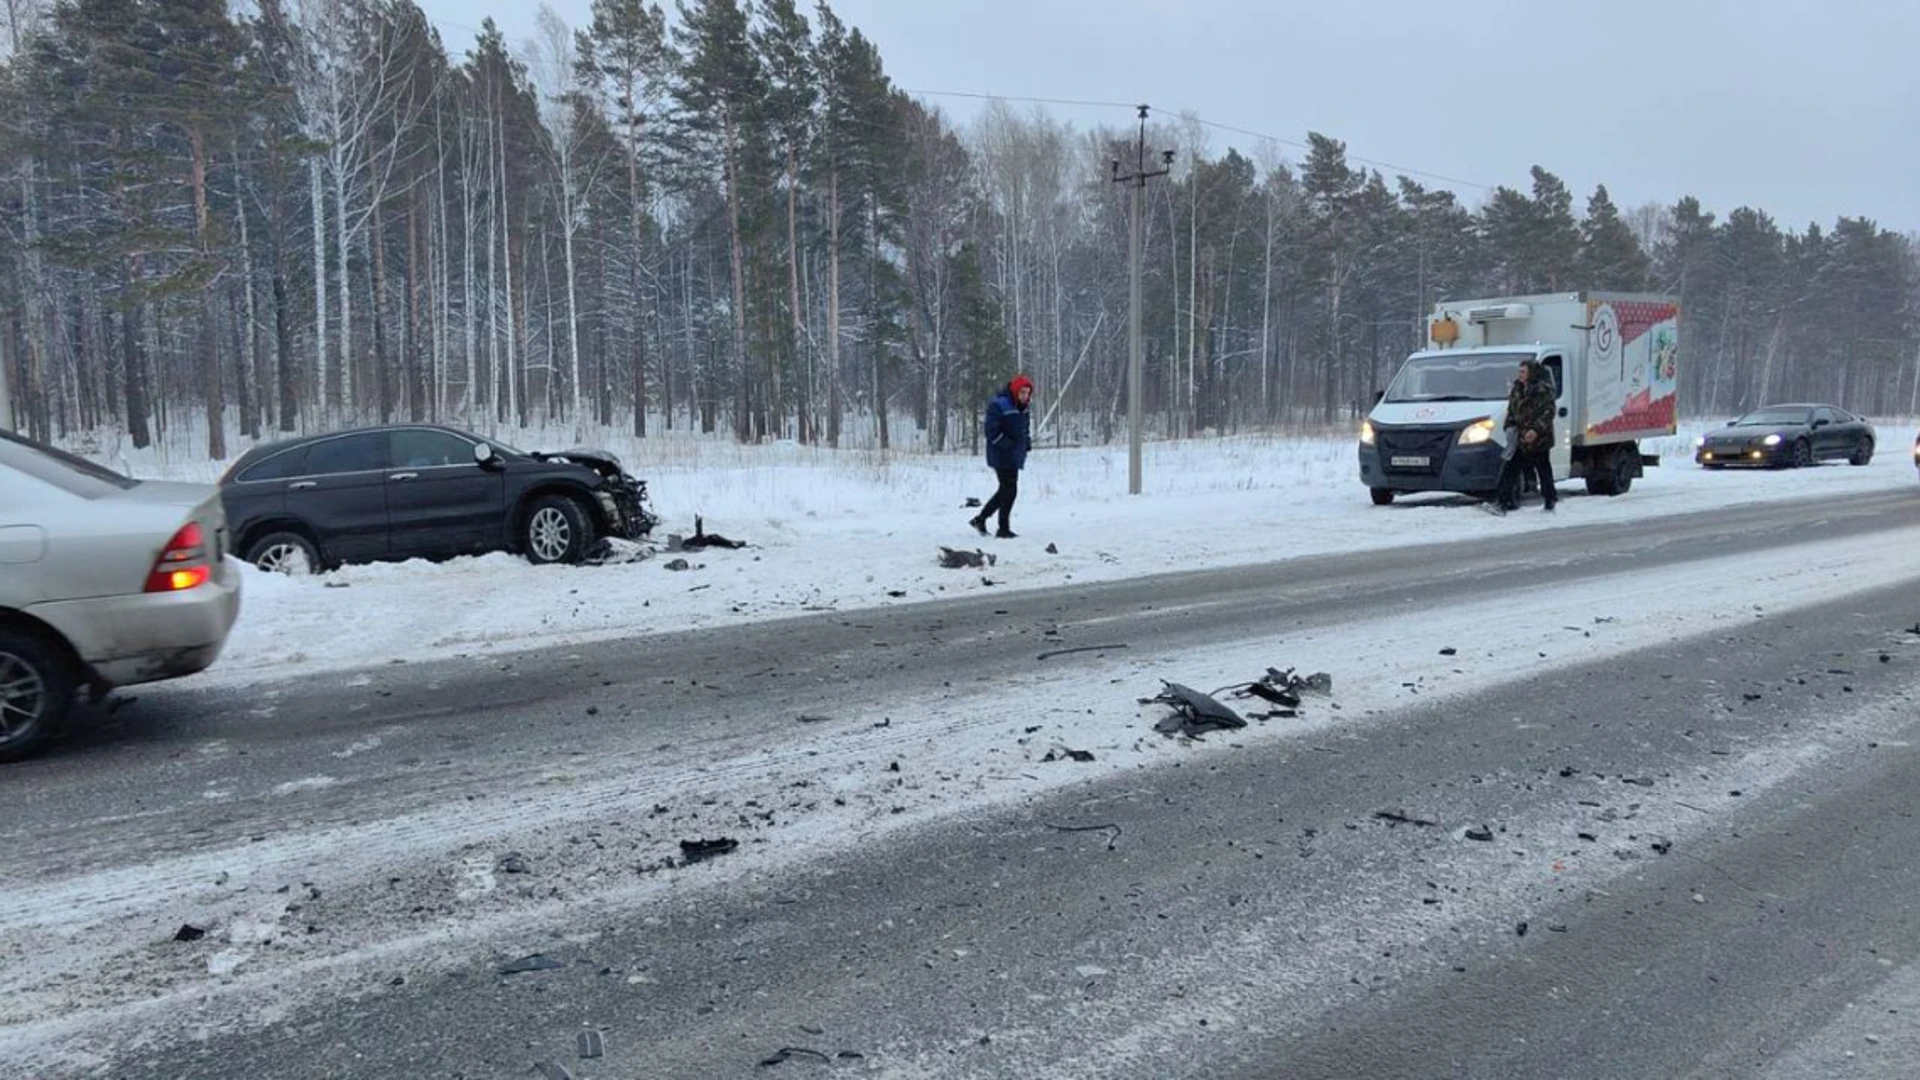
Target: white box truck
column 1440, row 425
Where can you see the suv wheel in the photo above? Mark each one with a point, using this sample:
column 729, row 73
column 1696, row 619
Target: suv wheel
column 556, row 530
column 37, row 685
column 285, row 553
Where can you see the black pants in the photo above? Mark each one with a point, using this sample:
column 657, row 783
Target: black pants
column 1002, row 501
column 1513, row 477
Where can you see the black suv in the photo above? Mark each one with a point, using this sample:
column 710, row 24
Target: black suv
column 420, row 491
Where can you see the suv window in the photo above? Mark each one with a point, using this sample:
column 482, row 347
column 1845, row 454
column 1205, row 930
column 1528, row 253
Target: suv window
column 282, row 466
column 1827, row 415
column 348, row 454
column 417, row 448
column 70, row 473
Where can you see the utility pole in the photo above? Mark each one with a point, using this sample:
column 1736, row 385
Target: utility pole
column 1137, row 183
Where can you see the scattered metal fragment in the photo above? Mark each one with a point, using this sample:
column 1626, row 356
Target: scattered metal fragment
column 787, row 1053
column 1065, row 754
column 1400, row 817
column 514, row 863
column 1080, row 649
column 694, row 851
column 1482, row 834
column 954, row 559
column 702, row 539
column 1111, row 840
column 589, row 1044
column 536, row 962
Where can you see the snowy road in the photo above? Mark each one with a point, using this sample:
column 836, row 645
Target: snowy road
column 341, row 840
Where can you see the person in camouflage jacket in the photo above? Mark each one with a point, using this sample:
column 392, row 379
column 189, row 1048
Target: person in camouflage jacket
column 1530, row 409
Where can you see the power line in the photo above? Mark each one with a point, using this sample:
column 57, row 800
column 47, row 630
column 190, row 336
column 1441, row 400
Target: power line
column 1250, row 133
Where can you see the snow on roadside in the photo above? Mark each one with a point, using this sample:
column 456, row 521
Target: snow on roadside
column 796, row 798
column 859, row 529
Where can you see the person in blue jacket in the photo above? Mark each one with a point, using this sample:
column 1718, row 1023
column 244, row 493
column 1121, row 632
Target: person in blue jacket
column 1009, row 432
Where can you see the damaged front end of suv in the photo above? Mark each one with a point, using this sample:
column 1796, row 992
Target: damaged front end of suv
column 623, row 497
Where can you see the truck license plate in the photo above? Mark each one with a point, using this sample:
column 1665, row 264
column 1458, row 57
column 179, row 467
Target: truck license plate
column 1417, row 461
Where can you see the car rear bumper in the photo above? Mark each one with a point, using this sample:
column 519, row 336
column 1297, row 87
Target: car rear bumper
column 146, row 637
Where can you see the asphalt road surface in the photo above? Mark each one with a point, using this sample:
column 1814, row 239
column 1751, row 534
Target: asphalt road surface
column 1689, row 859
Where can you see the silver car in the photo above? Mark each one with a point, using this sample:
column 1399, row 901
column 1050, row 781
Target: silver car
column 104, row 581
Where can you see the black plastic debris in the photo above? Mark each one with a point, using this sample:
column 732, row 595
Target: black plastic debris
column 551, row 1071
column 536, row 962
column 679, row 564
column 1449, row 651
column 1053, row 549
column 1080, row 649
column 1194, row 713
column 514, row 863
column 590, row 1045
column 788, row 1053
column 695, row 851
column 897, row 594
column 972, row 503
column 1520, row 929
column 1283, row 696
column 1064, row 754
column 188, row 932
column 1482, row 834
column 1661, row 847
column 954, row 559
column 702, row 539
column 814, row 719
column 1401, row 817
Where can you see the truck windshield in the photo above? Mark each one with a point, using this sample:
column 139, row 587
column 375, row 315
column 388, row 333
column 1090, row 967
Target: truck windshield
column 1456, row 377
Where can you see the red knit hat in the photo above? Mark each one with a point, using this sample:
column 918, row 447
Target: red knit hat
column 1019, row 382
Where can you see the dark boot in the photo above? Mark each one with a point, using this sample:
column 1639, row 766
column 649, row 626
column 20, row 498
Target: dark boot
column 979, row 525
column 1004, row 533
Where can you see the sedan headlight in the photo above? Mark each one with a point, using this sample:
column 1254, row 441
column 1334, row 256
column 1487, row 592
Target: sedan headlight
column 1699, row 441
column 1771, row 440
column 1366, row 433
column 1477, row 432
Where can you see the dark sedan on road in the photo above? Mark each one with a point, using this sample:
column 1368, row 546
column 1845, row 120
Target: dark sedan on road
column 422, row 491
column 1787, row 436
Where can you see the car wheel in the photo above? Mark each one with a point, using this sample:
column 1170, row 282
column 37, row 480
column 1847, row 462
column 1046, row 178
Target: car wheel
column 37, row 685
column 285, row 553
column 1802, row 454
column 1381, row 496
column 556, row 530
column 1862, row 453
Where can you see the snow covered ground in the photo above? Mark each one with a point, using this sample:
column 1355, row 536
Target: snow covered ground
column 849, row 529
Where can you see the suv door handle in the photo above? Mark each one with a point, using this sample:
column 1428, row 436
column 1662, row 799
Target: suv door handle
column 301, row 485
column 404, row 476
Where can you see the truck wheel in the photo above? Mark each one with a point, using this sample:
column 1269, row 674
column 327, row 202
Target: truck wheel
column 1622, row 469
column 1381, row 496
column 37, row 685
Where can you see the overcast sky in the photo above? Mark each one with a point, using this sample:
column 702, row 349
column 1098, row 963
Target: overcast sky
column 1808, row 109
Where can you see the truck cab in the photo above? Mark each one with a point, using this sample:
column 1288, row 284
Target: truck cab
column 1440, row 425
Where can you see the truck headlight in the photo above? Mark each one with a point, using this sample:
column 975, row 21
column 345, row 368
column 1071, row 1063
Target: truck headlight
column 1366, row 433
column 1477, row 432
column 1771, row 440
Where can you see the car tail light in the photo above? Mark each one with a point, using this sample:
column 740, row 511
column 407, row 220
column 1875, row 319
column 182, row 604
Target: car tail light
column 182, row 563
